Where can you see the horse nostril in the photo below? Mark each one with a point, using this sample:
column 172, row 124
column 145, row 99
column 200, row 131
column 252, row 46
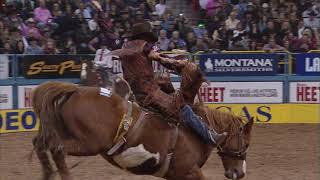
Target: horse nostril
column 228, row 174
column 238, row 174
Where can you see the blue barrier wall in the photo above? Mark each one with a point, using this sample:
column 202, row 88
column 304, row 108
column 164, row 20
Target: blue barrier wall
column 15, row 79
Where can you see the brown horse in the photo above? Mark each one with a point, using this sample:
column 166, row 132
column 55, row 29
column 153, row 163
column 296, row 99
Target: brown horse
column 85, row 121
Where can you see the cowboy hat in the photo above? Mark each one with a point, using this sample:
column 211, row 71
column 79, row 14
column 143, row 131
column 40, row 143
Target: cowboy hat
column 139, row 29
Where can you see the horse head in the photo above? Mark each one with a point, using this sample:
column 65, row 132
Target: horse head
column 233, row 150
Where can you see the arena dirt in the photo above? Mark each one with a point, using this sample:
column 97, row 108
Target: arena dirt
column 278, row 152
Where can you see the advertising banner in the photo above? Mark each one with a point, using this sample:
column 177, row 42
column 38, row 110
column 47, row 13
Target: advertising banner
column 239, row 64
column 305, row 92
column 26, row 120
column 274, row 113
column 242, row 92
column 4, row 66
column 25, row 96
column 18, row 121
column 308, row 64
column 52, row 66
column 6, row 97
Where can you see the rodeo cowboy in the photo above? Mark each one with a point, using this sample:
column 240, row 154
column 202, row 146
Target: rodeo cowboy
column 136, row 57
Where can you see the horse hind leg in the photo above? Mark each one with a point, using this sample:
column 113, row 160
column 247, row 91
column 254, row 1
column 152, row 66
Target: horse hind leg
column 59, row 158
column 47, row 170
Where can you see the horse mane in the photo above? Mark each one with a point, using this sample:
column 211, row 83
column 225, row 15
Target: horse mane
column 222, row 121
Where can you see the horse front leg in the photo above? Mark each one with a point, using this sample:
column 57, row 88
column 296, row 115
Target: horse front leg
column 195, row 173
column 43, row 157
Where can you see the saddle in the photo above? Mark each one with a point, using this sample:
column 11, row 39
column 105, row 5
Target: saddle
column 128, row 126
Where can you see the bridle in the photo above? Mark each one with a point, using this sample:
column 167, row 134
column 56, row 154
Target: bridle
column 240, row 153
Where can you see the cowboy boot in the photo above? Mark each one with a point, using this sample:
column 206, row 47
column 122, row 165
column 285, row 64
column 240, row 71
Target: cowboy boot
column 201, row 128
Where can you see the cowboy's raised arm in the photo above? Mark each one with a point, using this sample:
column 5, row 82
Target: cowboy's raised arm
column 104, row 23
column 169, row 63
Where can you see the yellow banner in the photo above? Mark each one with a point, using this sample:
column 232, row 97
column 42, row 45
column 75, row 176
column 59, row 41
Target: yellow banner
column 18, row 121
column 23, row 120
column 274, row 113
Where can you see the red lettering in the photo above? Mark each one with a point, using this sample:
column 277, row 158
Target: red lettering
column 300, row 93
column 222, row 93
column 307, row 93
column 314, row 94
column 202, row 92
column 215, row 94
column 209, row 92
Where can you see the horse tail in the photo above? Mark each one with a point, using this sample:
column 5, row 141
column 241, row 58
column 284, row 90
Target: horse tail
column 47, row 101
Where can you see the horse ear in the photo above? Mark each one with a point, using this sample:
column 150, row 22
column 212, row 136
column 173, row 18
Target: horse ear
column 248, row 126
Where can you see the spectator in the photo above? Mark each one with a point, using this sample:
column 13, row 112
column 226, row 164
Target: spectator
column 161, row 7
column 41, row 14
column 272, row 46
column 50, row 47
column 83, row 11
column 102, row 58
column 238, row 44
column 163, row 41
column 190, row 41
column 232, row 22
column 199, row 30
column 30, row 29
column 56, row 9
column 270, row 31
column 19, row 48
column 33, row 47
column 311, row 17
column 176, row 38
column 93, row 23
column 7, row 49
column 254, row 32
column 285, row 29
column 69, row 47
column 301, row 28
column 199, row 46
column 66, row 21
column 172, row 46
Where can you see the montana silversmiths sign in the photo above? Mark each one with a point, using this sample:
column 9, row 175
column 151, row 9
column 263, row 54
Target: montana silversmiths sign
column 239, row 64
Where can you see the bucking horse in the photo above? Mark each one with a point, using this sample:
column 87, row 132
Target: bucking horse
column 87, row 121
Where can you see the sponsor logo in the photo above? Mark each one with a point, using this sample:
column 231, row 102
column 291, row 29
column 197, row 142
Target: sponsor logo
column 18, row 120
column 312, row 65
column 212, row 94
column 253, row 93
column 238, row 65
column 61, row 68
column 307, row 93
column 4, row 98
column 273, row 113
column 260, row 114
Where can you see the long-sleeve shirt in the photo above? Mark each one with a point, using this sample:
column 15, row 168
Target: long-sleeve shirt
column 106, row 27
column 42, row 14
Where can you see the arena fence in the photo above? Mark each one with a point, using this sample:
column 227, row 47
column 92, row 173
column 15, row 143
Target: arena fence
column 274, row 88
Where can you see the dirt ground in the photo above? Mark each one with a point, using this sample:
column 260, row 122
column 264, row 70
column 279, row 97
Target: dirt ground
column 278, row 152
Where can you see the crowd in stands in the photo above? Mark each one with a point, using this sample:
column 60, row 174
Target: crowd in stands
column 71, row 26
